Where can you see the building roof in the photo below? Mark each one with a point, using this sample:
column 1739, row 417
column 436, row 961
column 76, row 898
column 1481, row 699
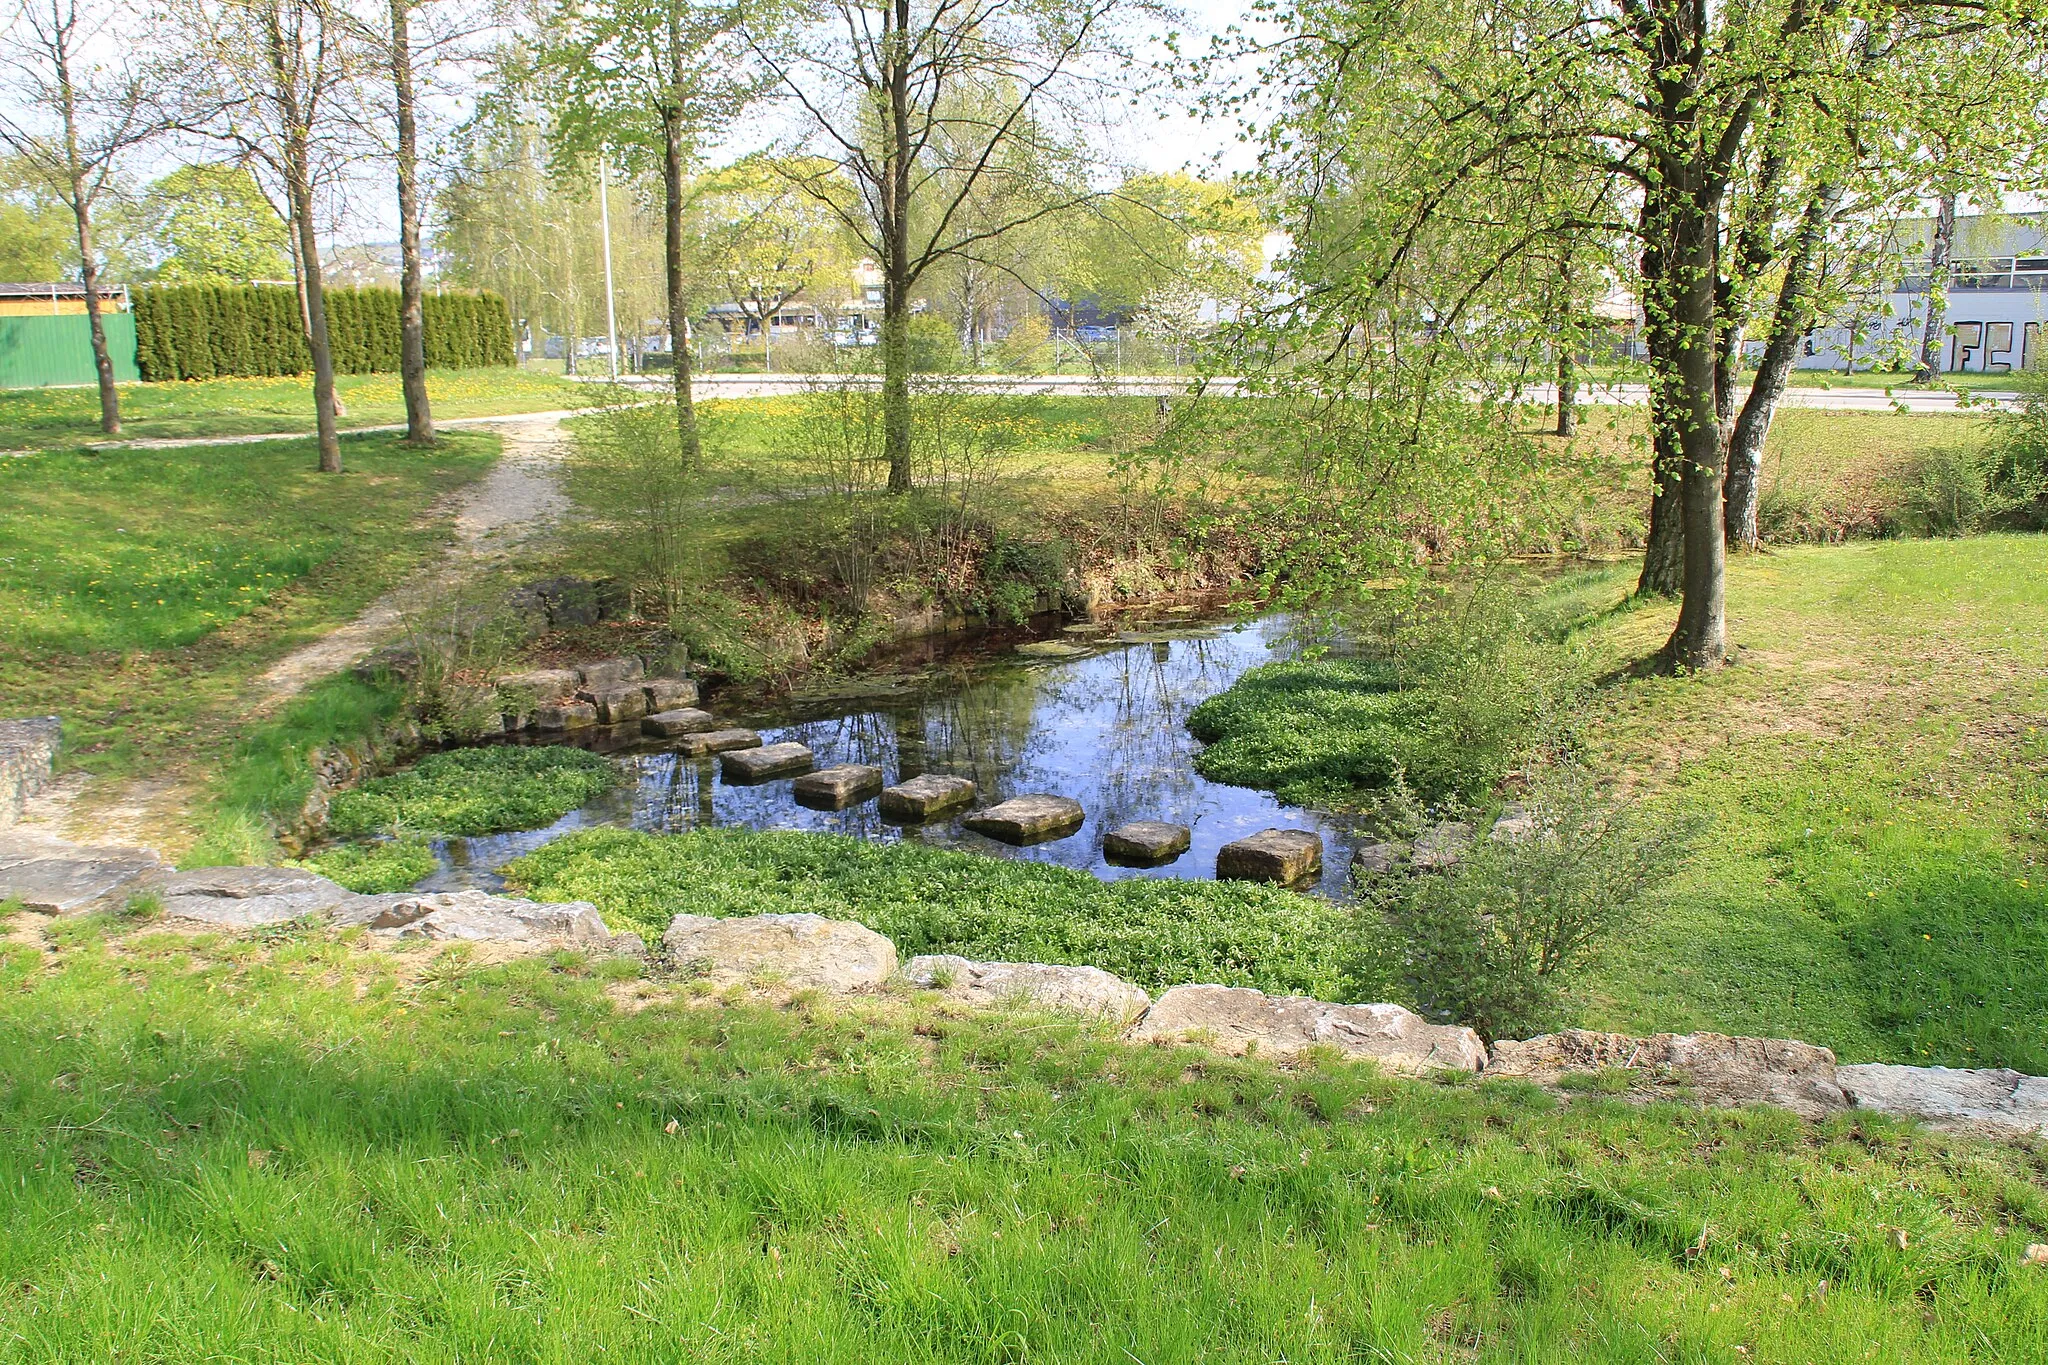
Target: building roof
column 62, row 289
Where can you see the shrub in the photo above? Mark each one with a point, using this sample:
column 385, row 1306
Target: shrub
column 377, row 867
column 476, row 791
column 1949, row 491
column 204, row 331
column 643, row 501
column 1157, row 933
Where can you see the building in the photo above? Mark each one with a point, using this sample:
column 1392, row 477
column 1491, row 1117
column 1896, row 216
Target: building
column 57, row 298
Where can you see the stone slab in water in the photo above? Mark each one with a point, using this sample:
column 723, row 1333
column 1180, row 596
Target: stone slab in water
column 1146, row 842
column 1052, row 649
column 669, row 694
column 1240, row 1021
column 683, row 721
column 766, row 762
column 1272, row 855
column 1951, row 1097
column 925, row 798
column 58, row 878
column 1033, row 985
column 838, row 787
column 564, row 715
column 1029, row 819
column 610, row 672
column 617, row 705
column 716, row 742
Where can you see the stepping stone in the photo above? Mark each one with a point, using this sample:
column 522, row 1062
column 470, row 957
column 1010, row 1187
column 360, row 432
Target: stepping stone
column 610, row 672
column 686, row 721
column 1029, row 819
column 1146, row 843
column 838, row 787
column 716, row 742
column 765, row 762
column 1051, row 649
column 925, row 798
column 564, row 715
column 1272, row 855
column 669, row 694
column 617, row 705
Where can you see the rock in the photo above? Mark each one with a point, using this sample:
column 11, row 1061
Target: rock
column 59, row 878
column 925, row 798
column 1719, row 1070
column 805, row 951
column 765, row 762
column 669, row 694
column 1441, row 846
column 609, row 672
column 247, row 897
column 1146, row 842
column 1515, row 823
column 1080, row 990
column 716, row 742
column 480, row 916
column 669, row 724
column 1237, row 1020
column 616, row 705
column 564, row 715
column 28, row 756
column 1378, row 859
column 1052, row 649
column 837, row 787
column 541, row 684
column 1272, row 855
column 1950, row 1097
column 565, row 601
column 1029, row 819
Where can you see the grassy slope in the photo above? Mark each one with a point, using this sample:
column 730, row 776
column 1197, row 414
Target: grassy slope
column 238, row 407
column 301, row 1151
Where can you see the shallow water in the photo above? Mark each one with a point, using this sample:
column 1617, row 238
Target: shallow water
column 1107, row 729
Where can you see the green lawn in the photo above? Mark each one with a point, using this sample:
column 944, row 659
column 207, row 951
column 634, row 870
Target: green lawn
column 297, row 1150
column 38, row 418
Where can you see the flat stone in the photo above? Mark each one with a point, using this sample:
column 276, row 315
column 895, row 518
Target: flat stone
column 479, row 916
column 669, row 694
column 697, row 744
column 1051, row 649
column 564, row 715
column 1727, row 1072
column 1146, row 842
column 248, row 897
column 925, row 798
column 1034, row 985
column 542, row 684
column 804, row 951
column 609, row 672
column 59, row 878
column 765, row 762
column 1951, row 1097
column 683, row 721
column 1272, row 855
column 1441, row 846
column 1029, row 819
column 616, row 705
column 1240, row 1021
column 1379, row 858
column 837, row 787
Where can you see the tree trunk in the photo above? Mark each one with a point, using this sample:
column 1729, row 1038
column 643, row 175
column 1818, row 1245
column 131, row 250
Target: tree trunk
column 412, row 332
column 896, row 278
column 1663, row 572
column 301, row 189
column 1699, row 640
column 672, row 260
column 1937, row 290
column 89, row 270
column 1567, row 394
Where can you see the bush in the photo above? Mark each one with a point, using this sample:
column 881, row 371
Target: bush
column 1947, row 491
column 377, row 867
column 1155, row 933
column 476, row 791
column 1496, row 941
column 643, row 501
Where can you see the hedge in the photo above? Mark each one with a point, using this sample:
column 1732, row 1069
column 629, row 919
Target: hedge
column 208, row 331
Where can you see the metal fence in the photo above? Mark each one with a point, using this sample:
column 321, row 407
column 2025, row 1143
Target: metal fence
column 39, row 351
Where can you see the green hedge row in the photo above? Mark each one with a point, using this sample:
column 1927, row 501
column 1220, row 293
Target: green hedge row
column 209, row 331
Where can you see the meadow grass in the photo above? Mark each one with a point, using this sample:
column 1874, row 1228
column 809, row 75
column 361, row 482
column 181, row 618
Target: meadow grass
column 69, row 417
column 302, row 1150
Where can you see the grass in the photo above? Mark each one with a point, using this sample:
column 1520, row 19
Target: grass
column 476, row 791
column 1155, row 933
column 60, row 417
column 306, row 1151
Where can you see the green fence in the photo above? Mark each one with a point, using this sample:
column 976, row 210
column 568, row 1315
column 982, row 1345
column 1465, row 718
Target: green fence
column 35, row 351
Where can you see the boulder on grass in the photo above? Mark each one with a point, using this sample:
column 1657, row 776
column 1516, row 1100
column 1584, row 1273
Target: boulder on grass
column 1146, row 843
column 804, row 951
column 1272, row 855
column 248, row 897
column 1951, row 1097
column 1715, row 1068
column 925, row 798
column 1034, row 985
column 1029, row 819
column 837, row 787
column 1240, row 1021
column 59, row 878
column 683, row 721
column 766, row 762
column 480, row 917
column 716, row 742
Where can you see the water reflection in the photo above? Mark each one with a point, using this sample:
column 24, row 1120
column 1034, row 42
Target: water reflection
column 1108, row 729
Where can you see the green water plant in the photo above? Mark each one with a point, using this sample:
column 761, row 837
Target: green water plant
column 476, row 791
column 376, row 866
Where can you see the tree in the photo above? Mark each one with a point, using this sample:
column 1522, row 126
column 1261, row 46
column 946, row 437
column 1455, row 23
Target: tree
column 211, row 224
column 920, row 109
column 412, row 333
column 766, row 242
column 36, row 230
column 83, row 118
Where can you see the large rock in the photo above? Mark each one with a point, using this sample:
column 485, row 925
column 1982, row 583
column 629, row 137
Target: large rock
column 1029, row 819
column 1036, row 985
column 766, row 762
column 541, row 684
column 618, row 704
column 669, row 694
column 248, row 897
column 1237, row 1020
column 28, row 755
column 610, row 672
column 480, row 916
column 564, row 715
column 1146, row 843
column 683, row 720
column 1272, row 855
column 925, row 798
column 1950, row 1097
column 837, row 787
column 716, row 742
column 1441, row 846
column 1717, row 1069
column 805, row 951
column 59, row 878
